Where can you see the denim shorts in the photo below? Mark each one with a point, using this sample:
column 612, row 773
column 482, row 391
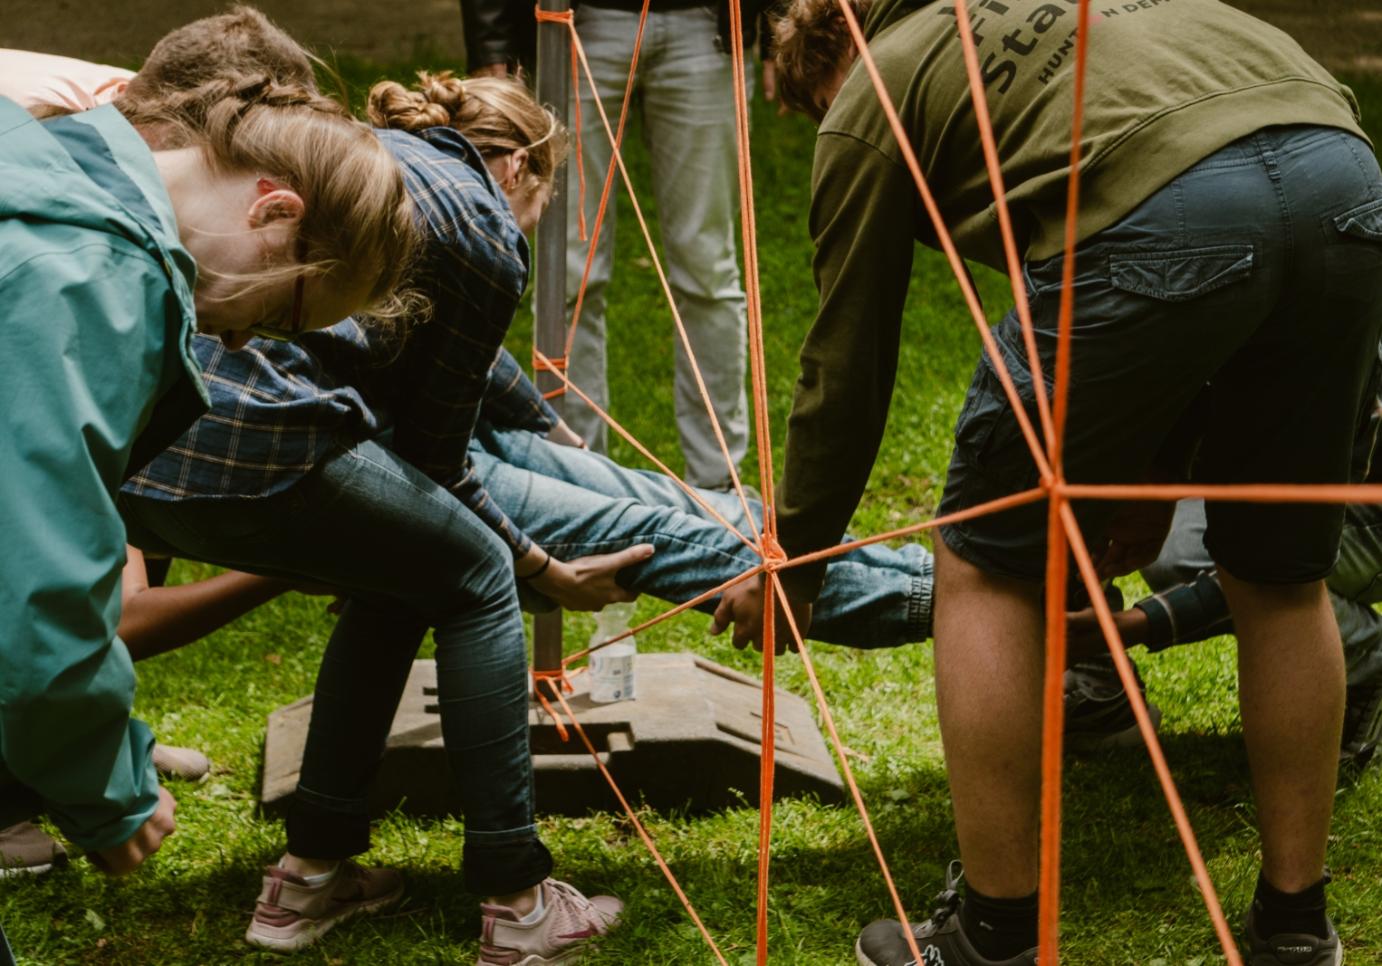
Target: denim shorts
column 1245, row 298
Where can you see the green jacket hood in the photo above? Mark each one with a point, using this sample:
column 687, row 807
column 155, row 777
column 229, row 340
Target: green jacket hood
column 43, row 181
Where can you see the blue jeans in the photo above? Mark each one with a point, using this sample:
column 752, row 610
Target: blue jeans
column 1354, row 586
column 408, row 556
column 575, row 502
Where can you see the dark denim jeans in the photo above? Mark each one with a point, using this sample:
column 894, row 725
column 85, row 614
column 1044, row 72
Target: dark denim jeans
column 1258, row 271
column 408, row 555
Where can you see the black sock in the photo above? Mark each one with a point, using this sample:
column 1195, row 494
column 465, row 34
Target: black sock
column 1301, row 912
column 999, row 928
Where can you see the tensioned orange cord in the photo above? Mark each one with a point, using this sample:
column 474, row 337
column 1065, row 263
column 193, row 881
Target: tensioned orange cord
column 685, row 606
column 1062, row 526
column 543, row 364
column 609, row 170
column 947, row 244
column 687, row 488
column 618, row 159
column 568, row 18
column 638, row 827
column 1149, row 736
column 1005, row 228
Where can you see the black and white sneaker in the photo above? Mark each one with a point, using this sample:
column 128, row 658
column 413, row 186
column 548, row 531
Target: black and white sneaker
column 1291, row 949
column 1362, row 725
column 941, row 939
column 1098, row 714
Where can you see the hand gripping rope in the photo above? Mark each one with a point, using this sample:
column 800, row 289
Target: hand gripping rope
column 1064, row 536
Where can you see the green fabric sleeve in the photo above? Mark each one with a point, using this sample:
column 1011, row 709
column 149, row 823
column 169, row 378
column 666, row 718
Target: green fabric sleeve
column 82, row 355
column 863, row 213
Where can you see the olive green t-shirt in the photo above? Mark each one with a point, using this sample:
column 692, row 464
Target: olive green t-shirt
column 1168, row 83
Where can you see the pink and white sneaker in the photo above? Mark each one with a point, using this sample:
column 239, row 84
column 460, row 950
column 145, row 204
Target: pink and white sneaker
column 293, row 913
column 560, row 935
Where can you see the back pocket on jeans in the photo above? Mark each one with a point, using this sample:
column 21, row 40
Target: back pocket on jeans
column 1181, row 275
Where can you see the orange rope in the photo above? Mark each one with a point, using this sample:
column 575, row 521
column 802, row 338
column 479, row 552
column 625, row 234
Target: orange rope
column 680, row 608
column 829, row 719
column 568, row 18
column 687, row 488
column 543, row 364
column 609, row 170
column 638, row 826
column 1144, row 724
column 947, row 244
column 1005, row 228
column 618, row 159
column 1238, row 492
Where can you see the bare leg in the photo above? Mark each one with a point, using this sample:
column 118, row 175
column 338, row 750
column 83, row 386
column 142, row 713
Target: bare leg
column 988, row 688
column 1291, row 688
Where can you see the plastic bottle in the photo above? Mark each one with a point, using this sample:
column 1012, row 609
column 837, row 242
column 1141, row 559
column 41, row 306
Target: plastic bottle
column 612, row 667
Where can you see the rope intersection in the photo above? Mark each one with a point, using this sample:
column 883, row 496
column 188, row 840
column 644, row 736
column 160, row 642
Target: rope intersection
column 1065, row 540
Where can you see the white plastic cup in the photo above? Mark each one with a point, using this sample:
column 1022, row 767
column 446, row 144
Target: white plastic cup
column 611, row 673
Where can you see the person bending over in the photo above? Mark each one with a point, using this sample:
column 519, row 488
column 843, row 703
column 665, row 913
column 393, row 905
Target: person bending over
column 108, row 253
column 1230, row 232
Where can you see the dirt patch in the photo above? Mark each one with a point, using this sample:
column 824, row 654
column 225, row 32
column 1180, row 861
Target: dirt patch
column 1345, row 35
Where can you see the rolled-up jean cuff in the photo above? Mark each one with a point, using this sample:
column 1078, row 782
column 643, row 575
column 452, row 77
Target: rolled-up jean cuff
column 498, row 865
column 320, row 827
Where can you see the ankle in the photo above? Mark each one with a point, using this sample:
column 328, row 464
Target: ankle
column 523, row 902
column 307, row 868
column 1300, row 911
column 999, row 928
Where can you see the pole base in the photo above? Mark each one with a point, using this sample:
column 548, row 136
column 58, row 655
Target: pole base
column 690, row 740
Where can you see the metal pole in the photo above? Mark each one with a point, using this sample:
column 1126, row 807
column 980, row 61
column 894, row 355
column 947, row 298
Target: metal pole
column 549, row 283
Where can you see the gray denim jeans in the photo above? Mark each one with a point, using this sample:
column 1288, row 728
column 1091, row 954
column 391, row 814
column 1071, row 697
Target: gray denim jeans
column 685, row 96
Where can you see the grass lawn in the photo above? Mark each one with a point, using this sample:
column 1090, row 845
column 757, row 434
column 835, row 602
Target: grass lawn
column 1128, row 892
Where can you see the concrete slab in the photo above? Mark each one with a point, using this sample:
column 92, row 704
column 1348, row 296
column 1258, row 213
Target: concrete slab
column 690, row 740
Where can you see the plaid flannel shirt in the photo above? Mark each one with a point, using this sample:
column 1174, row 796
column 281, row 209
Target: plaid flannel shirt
column 277, row 407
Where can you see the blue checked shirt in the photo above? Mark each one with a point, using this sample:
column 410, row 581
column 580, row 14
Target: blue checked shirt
column 277, row 407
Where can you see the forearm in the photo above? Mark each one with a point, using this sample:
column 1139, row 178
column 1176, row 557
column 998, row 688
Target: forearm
column 161, row 619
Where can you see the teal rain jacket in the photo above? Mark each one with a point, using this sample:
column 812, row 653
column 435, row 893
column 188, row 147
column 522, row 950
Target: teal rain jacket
column 96, row 319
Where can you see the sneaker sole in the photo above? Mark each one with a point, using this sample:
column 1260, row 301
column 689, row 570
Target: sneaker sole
column 1129, row 737
column 305, row 932
column 18, row 871
column 861, row 956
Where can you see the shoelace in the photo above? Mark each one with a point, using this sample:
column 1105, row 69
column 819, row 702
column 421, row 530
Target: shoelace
column 573, row 896
column 948, row 900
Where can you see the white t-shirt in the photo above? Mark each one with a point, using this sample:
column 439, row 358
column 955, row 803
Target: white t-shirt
column 30, row 78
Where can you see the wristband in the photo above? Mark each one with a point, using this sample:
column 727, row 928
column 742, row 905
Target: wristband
column 540, row 570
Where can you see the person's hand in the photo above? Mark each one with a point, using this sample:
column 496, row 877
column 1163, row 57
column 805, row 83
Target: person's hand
column 587, row 583
column 1085, row 638
column 564, row 435
column 124, row 858
column 1135, row 535
column 742, row 606
column 500, row 69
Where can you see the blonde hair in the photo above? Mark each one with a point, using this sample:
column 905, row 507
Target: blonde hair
column 358, row 221
column 496, row 114
column 811, row 41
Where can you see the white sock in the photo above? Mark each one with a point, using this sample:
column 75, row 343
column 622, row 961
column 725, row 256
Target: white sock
column 536, row 914
column 316, row 880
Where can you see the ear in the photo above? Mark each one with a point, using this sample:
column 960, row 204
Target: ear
column 508, row 168
column 275, row 202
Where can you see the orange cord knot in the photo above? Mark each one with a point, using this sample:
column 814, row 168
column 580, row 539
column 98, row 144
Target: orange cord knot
column 773, row 555
column 555, row 682
column 553, row 16
column 544, row 364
